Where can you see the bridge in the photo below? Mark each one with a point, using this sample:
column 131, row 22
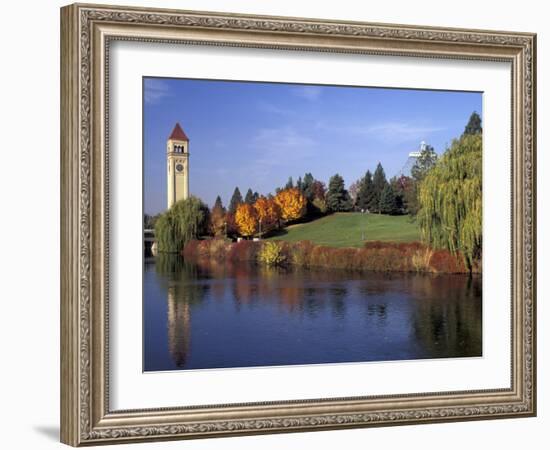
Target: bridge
column 148, row 239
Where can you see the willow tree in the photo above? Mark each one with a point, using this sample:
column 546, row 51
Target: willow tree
column 185, row 220
column 451, row 202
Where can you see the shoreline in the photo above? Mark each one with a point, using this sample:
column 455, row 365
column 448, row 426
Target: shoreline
column 375, row 256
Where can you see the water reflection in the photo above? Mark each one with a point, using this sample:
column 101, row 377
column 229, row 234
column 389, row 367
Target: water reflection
column 179, row 327
column 206, row 315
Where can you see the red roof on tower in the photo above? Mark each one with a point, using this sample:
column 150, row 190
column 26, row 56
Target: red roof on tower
column 178, row 134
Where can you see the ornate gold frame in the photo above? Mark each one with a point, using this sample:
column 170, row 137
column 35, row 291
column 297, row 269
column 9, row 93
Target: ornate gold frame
column 86, row 31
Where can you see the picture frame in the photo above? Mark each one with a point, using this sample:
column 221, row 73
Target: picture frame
column 87, row 32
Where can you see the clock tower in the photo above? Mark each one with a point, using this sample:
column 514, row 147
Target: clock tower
column 177, row 156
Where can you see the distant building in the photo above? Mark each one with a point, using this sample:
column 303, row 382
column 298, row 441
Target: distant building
column 177, row 155
column 411, row 160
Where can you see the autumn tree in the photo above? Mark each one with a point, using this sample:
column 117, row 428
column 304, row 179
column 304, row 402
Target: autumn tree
column 318, row 190
column 318, row 195
column 319, row 205
column 337, row 196
column 292, row 204
column 268, row 213
column 217, row 218
column 230, row 224
column 246, row 219
column 236, row 200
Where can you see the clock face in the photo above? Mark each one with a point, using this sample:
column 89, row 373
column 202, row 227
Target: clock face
column 179, row 167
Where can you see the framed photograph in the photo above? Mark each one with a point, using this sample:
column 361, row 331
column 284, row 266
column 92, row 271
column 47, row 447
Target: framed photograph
column 276, row 224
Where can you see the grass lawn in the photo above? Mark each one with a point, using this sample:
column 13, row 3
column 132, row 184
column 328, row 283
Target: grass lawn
column 352, row 230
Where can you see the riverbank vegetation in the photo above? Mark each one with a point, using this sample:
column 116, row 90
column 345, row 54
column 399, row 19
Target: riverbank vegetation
column 451, row 202
column 373, row 256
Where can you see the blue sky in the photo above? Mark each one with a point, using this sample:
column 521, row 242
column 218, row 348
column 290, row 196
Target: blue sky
column 258, row 134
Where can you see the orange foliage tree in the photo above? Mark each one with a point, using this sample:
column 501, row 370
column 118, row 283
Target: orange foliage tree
column 246, row 219
column 218, row 220
column 268, row 212
column 292, row 203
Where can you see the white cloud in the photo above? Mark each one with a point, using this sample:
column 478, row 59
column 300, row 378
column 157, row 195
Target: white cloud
column 274, row 109
column 310, row 93
column 155, row 90
column 389, row 131
column 279, row 147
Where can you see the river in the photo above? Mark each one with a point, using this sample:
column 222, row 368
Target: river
column 212, row 315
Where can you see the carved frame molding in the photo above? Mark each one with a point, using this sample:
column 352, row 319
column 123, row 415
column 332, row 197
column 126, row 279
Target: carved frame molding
column 86, row 32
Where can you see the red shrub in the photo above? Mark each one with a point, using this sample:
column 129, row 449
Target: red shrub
column 243, row 251
column 300, row 253
column 445, row 262
column 191, row 249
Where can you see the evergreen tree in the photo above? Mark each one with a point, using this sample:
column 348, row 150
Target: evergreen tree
column 379, row 182
column 218, row 204
column 249, row 197
column 424, row 163
column 289, row 184
column 366, row 192
column 307, row 186
column 388, row 201
column 217, row 218
column 299, row 184
column 236, row 200
column 474, row 124
column 338, row 198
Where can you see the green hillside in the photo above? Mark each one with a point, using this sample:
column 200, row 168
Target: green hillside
column 352, row 230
